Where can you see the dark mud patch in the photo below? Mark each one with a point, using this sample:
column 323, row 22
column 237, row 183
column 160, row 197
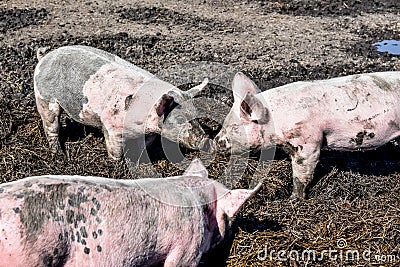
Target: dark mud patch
column 11, row 19
column 329, row 8
column 170, row 18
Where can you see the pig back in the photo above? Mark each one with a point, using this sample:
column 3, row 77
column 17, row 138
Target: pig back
column 85, row 218
column 61, row 74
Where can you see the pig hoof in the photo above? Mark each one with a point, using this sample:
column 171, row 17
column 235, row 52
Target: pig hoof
column 295, row 197
column 114, row 155
column 54, row 145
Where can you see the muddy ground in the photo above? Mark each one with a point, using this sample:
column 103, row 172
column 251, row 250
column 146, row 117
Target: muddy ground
column 354, row 202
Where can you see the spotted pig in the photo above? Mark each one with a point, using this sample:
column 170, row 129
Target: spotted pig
column 99, row 222
column 99, row 89
column 356, row 112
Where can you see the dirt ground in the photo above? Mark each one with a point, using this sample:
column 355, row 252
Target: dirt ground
column 354, row 201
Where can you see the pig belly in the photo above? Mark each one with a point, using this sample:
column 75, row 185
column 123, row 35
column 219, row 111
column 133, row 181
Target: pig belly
column 364, row 134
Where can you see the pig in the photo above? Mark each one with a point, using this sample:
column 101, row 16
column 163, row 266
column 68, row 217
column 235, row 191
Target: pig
column 92, row 221
column 351, row 113
column 99, row 89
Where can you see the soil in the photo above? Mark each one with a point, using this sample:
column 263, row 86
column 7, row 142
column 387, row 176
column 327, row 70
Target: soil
column 355, row 197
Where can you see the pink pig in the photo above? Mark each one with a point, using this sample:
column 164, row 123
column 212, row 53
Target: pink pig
column 100, row 89
column 91, row 221
column 356, row 112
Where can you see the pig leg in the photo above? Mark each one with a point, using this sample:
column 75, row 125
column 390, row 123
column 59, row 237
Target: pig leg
column 50, row 114
column 304, row 161
column 113, row 143
column 174, row 258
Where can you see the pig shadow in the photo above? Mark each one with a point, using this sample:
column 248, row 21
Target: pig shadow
column 382, row 161
column 218, row 256
column 157, row 149
column 248, row 223
column 72, row 131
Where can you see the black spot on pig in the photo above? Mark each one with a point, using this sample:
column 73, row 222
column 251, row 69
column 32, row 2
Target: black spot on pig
column 94, row 234
column 98, row 220
column 1, row 190
column 41, row 206
column 78, row 237
column 80, row 217
column 84, row 234
column 93, row 211
column 98, row 248
column 70, row 216
column 96, row 203
column 86, row 250
column 66, row 235
column 100, row 232
column 83, row 242
column 75, row 200
column 59, row 218
column 16, row 210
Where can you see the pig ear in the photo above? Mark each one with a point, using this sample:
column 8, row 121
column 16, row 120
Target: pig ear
column 196, row 168
column 253, row 109
column 197, row 89
column 241, row 85
column 233, row 200
column 165, row 102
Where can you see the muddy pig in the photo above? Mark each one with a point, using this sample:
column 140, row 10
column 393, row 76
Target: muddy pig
column 97, row 88
column 92, row 221
column 356, row 112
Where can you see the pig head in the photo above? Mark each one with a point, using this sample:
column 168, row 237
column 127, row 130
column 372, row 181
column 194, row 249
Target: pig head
column 356, row 112
column 93, row 221
column 99, row 89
